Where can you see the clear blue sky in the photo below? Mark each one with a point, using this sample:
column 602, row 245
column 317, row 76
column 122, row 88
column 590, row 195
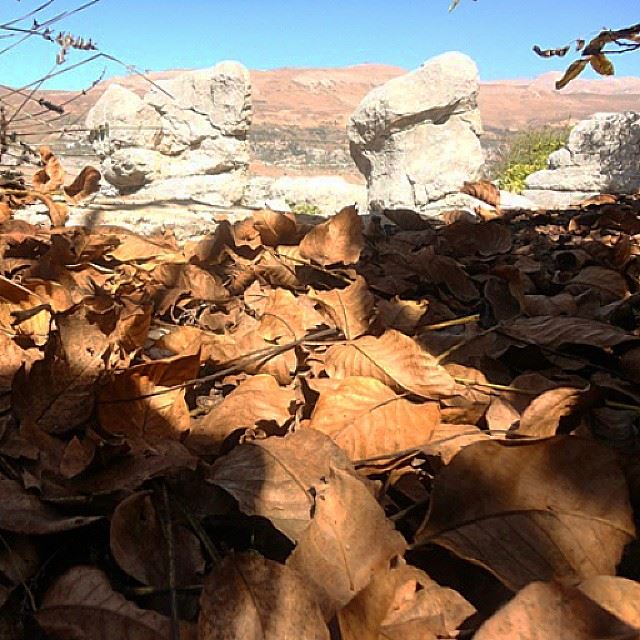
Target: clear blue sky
column 265, row 34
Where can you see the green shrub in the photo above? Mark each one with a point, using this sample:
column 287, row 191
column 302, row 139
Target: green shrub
column 304, row 208
column 528, row 152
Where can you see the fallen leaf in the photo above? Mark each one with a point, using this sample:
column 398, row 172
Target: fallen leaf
column 551, row 610
column 350, row 309
column 403, row 603
column 248, row 597
column 550, row 509
column 367, row 419
column 277, row 478
column 82, row 605
column 338, row 240
column 347, row 542
column 394, row 359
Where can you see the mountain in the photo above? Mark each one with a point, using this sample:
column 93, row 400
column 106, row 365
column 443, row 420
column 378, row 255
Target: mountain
column 300, row 114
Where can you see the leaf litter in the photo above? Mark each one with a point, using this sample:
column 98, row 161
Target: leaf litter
column 345, row 430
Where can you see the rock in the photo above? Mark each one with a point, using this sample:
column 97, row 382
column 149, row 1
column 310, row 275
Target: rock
column 132, row 122
column 415, row 138
column 186, row 132
column 601, row 156
column 324, row 195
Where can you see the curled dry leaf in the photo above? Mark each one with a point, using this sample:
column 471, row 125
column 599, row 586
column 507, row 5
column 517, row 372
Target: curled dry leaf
column 248, row 597
column 276, row 228
column 82, row 605
column 277, row 478
column 402, row 315
column 350, row 309
column 542, row 417
column 366, row 418
column 403, row 603
column 255, row 403
column 128, row 407
column 394, row 359
column 551, row 509
column 338, row 240
column 553, row 610
column 134, row 524
column 86, row 183
column 348, row 541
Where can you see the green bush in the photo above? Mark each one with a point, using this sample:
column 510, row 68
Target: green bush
column 528, row 152
column 304, row 208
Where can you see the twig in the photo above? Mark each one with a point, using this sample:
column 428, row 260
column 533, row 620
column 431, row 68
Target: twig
column 168, row 526
column 250, row 358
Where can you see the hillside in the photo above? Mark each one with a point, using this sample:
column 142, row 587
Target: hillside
column 300, row 114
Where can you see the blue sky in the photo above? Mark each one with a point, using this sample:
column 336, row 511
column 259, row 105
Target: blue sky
column 266, row 34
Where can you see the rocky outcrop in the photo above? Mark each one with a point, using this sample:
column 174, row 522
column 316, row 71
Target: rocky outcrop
column 601, row 156
column 324, row 195
column 186, row 139
column 415, row 138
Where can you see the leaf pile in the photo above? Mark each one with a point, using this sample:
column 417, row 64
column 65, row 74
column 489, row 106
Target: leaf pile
column 342, row 430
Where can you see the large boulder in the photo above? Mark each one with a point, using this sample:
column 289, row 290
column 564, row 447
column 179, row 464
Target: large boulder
column 190, row 130
column 601, row 156
column 415, row 138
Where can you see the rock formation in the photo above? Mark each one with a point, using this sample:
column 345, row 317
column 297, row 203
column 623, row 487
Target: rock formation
column 601, row 156
column 415, row 138
column 186, row 140
column 326, row 194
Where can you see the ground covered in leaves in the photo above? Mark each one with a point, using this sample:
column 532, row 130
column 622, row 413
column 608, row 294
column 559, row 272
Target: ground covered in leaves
column 342, row 430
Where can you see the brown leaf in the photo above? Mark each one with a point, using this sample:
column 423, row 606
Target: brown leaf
column 82, row 605
column 276, row 478
column 367, row 419
column 403, row 603
column 134, row 523
column 86, row 183
column 348, row 541
column 78, row 455
column 601, row 64
column 403, row 315
column 572, row 72
column 127, row 408
column 554, row 331
column 394, row 359
column 248, row 597
column 276, row 228
column 14, row 299
column 542, row 417
column 350, row 309
column 57, row 394
column 22, row 512
column 338, row 240
column 550, row 610
column 255, row 403
column 483, row 190
column 551, row 509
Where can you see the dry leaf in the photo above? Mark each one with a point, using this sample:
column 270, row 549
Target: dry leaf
column 136, row 522
column 367, row 419
column 248, row 597
column 394, row 359
column 403, row 603
column 550, row 610
column 256, row 403
column 542, row 417
column 82, row 605
column 277, row 478
column 350, row 309
column 559, row 506
column 338, row 240
column 348, row 541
